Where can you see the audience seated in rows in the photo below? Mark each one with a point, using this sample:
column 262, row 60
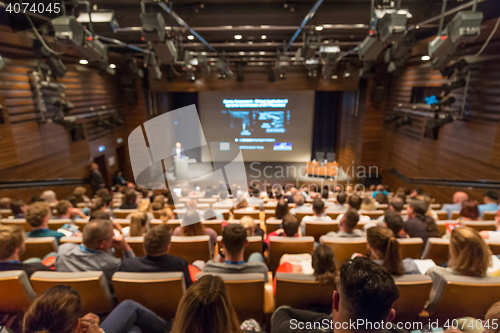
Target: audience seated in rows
column 65, row 210
column 419, row 224
column 93, row 254
column 58, row 311
column 339, row 206
column 380, row 189
column 381, row 199
column 493, row 236
column 138, row 225
column 231, row 257
column 318, row 213
column 458, row 198
column 79, row 193
column 354, row 201
column 490, row 203
column 281, row 209
column 11, row 250
column 38, row 215
column 365, row 291
column 300, row 205
column 18, row 208
column 253, row 200
column 347, row 225
column 5, row 203
column 251, row 228
column 290, row 228
column 191, row 226
column 469, row 256
column 368, row 204
column 469, row 211
column 49, row 197
column 383, row 248
column 158, row 202
column 157, row 259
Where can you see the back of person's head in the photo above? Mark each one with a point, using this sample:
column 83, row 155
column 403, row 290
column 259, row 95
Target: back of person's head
column 338, row 189
column 138, row 221
column 318, row 206
column 234, row 237
column 35, row 198
column 290, row 225
column 223, row 195
column 168, row 194
column 249, row 224
column 36, row 213
column 492, row 316
column 79, row 191
column 5, row 202
column 55, row 311
column 192, row 204
column 420, row 210
column 11, row 238
column 397, row 204
column 418, row 191
column 381, row 198
column 145, row 205
column 380, row 188
column 95, row 231
column 341, row 198
column 354, row 201
column 366, row 290
column 17, row 207
column 102, row 192
column 281, row 209
column 157, row 240
column 166, row 214
column 209, row 214
column 299, row 199
column 469, row 254
column 492, row 195
column 158, row 202
column 383, row 240
column 99, row 215
column 470, row 209
column 255, row 192
column 394, row 221
column 49, row 196
column 351, row 218
column 368, row 204
column 191, row 225
column 62, row 207
column 130, row 196
column 323, row 263
column 206, row 308
column 325, row 193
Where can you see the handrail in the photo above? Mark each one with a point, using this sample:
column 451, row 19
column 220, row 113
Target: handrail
column 482, row 183
column 41, row 183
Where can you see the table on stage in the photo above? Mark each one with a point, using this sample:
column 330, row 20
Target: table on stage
column 314, row 168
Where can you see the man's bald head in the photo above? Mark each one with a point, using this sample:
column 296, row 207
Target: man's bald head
column 96, row 231
column 459, row 197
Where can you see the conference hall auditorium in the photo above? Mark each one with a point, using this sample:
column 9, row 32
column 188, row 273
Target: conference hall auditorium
column 217, row 166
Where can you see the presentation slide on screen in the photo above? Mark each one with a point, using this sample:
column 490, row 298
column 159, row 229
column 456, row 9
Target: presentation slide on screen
column 267, row 127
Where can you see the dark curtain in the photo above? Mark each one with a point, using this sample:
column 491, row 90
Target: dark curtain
column 325, row 122
column 182, row 99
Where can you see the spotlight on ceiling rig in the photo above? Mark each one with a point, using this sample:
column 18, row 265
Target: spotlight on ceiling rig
column 151, row 63
column 189, row 66
column 282, row 65
column 312, row 68
column 152, row 25
column 312, row 45
column 223, row 69
column 434, row 125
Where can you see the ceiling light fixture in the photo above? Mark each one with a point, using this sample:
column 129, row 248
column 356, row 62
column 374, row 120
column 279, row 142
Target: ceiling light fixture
column 190, row 37
column 84, row 62
column 425, row 58
column 319, row 28
column 238, row 37
column 112, row 66
column 263, row 36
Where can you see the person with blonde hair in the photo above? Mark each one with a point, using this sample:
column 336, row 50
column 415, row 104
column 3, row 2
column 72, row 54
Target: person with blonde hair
column 252, row 229
column 138, row 225
column 37, row 215
column 158, row 202
column 206, row 308
column 193, row 227
column 383, row 248
column 469, row 256
column 49, row 197
column 368, row 204
column 144, row 206
column 166, row 214
column 493, row 316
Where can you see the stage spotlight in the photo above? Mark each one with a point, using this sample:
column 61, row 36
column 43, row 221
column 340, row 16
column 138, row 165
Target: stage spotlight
column 61, row 120
column 282, row 66
column 312, row 68
column 405, row 120
column 133, row 68
column 223, row 69
column 263, row 37
column 153, row 25
column 434, row 124
column 391, row 118
column 239, row 72
column 392, row 26
column 167, row 51
column 318, row 28
column 57, row 67
column 464, row 27
column 116, row 120
column 448, row 87
column 312, row 45
column 150, row 62
column 370, row 48
column 93, row 49
column 62, row 104
column 102, row 16
column 446, row 102
column 112, row 66
column 461, row 67
column 203, row 65
column 68, row 30
column 101, row 122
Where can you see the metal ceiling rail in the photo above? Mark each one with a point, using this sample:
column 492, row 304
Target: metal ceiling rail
column 303, row 24
column 249, row 45
column 120, row 43
column 184, row 24
column 449, row 12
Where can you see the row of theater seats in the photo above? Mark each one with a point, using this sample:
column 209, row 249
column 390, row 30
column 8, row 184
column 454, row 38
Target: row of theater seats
column 250, row 296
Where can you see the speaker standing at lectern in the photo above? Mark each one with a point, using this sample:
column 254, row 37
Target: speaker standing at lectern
column 178, row 151
column 180, row 162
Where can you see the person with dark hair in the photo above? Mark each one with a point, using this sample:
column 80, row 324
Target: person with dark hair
column 493, row 235
column 157, row 259
column 206, row 308
column 18, row 208
column 469, row 211
column 5, row 202
column 36, row 198
column 380, row 189
column 394, row 221
column 418, row 224
column 171, row 197
column 339, row 206
column 383, row 248
column 103, row 192
column 355, row 201
column 381, row 199
column 37, row 215
column 231, row 257
column 365, row 291
column 416, row 192
column 347, row 226
column 11, row 250
column 58, row 311
column 290, row 228
column 130, row 199
column 299, row 201
column 319, row 213
column 253, row 200
column 191, row 226
column 490, row 203
column 65, row 210
column 224, row 200
column 281, row 210
column 96, row 179
column 118, row 179
column 93, row 254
